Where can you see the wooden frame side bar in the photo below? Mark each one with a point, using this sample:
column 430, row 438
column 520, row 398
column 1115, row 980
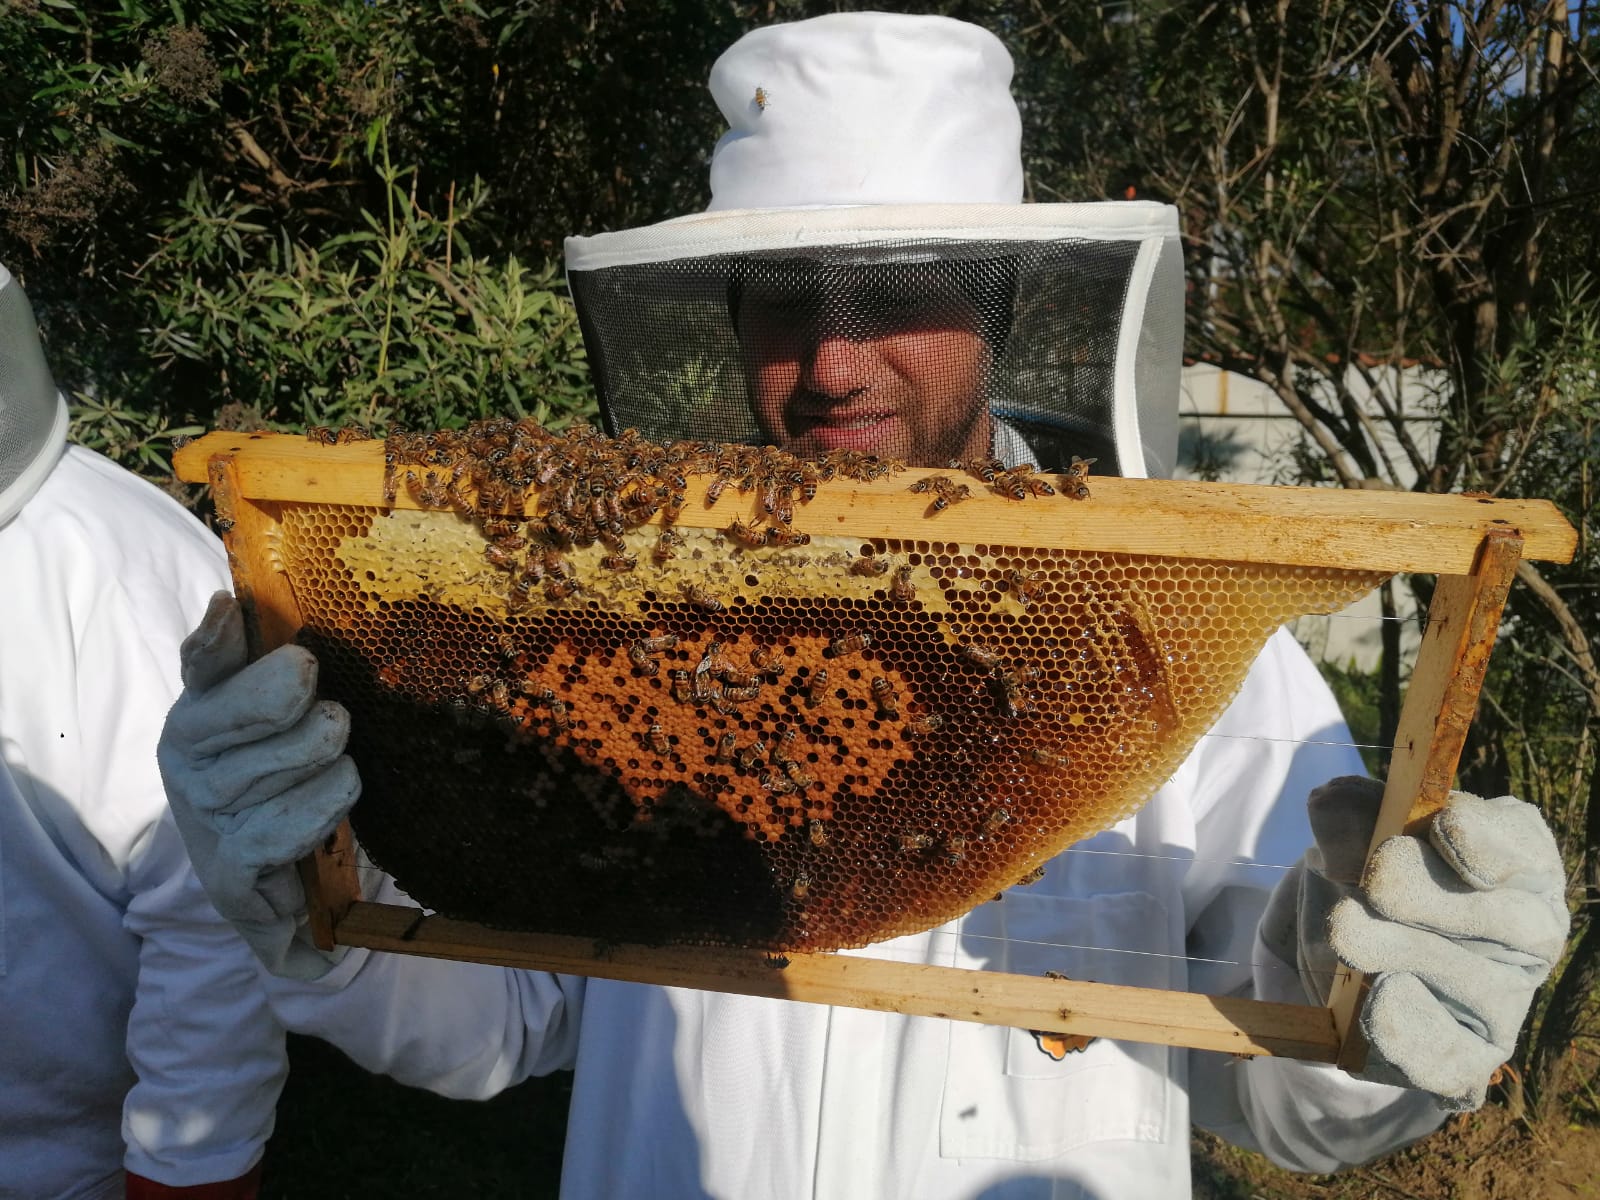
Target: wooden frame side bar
column 1293, row 526
column 271, row 619
column 1246, row 1027
column 1441, row 698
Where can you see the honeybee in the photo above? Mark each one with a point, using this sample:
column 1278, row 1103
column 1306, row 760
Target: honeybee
column 619, row 562
column 884, row 694
column 946, row 491
column 762, row 99
column 911, row 842
column 983, row 656
column 816, row 686
column 1078, row 469
column 1049, row 758
column 353, row 433
column 656, row 737
column 747, row 535
column 778, row 784
column 1031, row 877
column 682, row 690
column 428, row 493
column 639, row 656
column 1009, row 487
column 1025, row 585
column 713, row 661
column 818, row 832
column 776, row 961
column 499, row 558
column 672, row 507
column 801, row 885
column 927, row 723
column 479, row 683
column 538, row 694
column 457, row 498
column 764, row 659
column 955, row 849
column 782, row 535
column 870, row 565
column 784, row 750
column 1012, row 699
column 521, row 591
column 751, row 755
column 849, row 643
column 659, row 643
column 738, row 694
column 321, row 435
column 996, row 819
column 714, row 489
column 726, row 747
column 901, row 589
column 985, row 469
column 702, row 599
column 667, row 545
column 555, row 565
column 559, row 716
column 556, row 590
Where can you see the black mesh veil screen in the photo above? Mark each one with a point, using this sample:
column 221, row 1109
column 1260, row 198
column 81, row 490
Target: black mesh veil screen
column 920, row 349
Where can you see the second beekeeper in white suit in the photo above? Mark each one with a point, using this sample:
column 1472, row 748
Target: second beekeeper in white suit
column 865, row 253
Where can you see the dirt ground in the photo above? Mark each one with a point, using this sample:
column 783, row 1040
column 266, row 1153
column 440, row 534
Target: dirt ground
column 1487, row 1155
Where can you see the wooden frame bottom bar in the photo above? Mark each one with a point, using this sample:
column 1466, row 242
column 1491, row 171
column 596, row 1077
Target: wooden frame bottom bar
column 1228, row 1024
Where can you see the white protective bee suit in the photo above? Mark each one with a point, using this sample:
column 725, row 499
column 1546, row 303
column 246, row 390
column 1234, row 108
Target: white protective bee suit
column 133, row 1029
column 692, row 1094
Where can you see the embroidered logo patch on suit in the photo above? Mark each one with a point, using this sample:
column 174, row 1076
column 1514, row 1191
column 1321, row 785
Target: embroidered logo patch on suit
column 1059, row 1045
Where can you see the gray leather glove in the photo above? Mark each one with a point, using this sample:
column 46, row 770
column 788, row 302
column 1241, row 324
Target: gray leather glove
column 256, row 777
column 1457, row 932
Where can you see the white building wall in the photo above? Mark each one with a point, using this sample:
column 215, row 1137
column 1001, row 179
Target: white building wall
column 1234, row 428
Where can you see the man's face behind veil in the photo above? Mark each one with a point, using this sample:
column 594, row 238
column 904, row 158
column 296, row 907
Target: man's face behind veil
column 887, row 360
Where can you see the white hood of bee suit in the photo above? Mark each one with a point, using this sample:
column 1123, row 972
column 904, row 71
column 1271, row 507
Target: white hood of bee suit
column 33, row 414
column 863, row 138
column 943, row 127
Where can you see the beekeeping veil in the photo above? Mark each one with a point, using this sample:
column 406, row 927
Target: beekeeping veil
column 871, row 156
column 33, row 415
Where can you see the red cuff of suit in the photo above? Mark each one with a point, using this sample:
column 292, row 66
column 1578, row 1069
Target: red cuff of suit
column 243, row 1188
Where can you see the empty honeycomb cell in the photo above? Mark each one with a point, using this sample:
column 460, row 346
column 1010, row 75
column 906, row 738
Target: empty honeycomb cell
column 697, row 749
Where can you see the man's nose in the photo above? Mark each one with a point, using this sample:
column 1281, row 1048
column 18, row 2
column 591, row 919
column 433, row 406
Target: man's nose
column 838, row 365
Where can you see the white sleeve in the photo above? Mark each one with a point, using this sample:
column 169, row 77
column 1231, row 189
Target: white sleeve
column 464, row 1030
column 1282, row 737
column 124, row 574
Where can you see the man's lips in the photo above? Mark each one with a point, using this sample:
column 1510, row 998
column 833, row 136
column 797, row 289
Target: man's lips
column 854, row 419
column 849, row 429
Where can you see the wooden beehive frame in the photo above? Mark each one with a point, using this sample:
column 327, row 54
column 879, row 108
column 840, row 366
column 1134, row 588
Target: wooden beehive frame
column 1472, row 543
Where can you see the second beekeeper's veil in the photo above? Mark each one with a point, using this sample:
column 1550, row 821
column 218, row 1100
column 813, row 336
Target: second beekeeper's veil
column 871, row 155
column 33, row 415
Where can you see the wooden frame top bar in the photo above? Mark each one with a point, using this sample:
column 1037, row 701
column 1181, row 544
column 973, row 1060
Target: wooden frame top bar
column 1298, row 526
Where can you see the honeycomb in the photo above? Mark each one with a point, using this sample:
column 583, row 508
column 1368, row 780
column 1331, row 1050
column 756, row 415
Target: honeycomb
column 746, row 737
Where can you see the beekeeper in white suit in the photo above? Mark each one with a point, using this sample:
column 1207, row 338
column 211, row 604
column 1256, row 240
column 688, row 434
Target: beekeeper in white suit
column 851, row 137
column 138, row 1055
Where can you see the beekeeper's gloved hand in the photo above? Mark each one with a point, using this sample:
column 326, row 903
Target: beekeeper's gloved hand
column 1457, row 932
column 257, row 777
